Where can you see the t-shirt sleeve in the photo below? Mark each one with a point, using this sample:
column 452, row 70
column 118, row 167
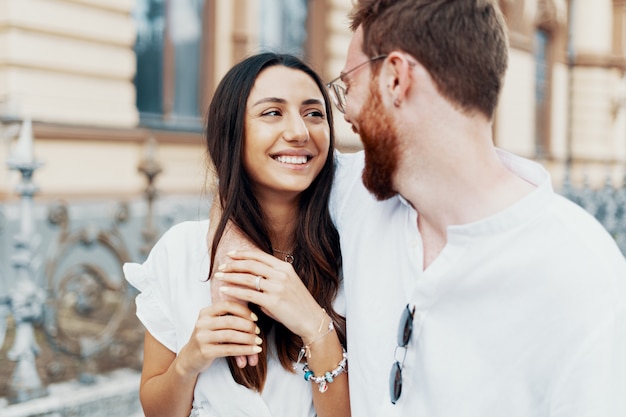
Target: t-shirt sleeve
column 153, row 306
column 595, row 382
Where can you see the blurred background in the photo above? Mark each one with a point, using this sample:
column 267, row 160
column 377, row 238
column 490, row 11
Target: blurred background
column 102, row 107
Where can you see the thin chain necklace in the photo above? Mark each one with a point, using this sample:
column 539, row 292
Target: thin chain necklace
column 288, row 256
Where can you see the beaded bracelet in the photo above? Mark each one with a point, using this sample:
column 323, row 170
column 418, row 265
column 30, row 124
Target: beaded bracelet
column 329, row 376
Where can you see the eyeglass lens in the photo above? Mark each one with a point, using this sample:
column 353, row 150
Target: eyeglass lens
column 405, row 329
column 339, row 90
column 339, row 96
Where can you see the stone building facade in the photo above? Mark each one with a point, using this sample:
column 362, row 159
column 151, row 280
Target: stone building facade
column 98, row 78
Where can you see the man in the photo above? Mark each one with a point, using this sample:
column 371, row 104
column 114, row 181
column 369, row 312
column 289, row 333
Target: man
column 472, row 289
column 483, row 291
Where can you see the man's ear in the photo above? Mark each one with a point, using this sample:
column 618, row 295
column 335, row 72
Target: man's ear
column 396, row 76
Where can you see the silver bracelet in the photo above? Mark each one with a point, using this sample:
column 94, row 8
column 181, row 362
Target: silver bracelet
column 329, row 376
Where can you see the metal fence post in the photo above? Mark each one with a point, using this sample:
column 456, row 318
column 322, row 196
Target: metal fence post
column 26, row 297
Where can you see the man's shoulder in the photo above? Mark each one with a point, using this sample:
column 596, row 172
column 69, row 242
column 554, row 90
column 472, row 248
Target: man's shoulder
column 349, row 162
column 348, row 169
column 351, row 201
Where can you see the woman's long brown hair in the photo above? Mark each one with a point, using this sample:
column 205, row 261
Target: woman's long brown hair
column 316, row 252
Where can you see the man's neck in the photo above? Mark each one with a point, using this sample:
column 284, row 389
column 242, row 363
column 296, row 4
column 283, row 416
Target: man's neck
column 462, row 182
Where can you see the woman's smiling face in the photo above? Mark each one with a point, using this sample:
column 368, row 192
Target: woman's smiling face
column 287, row 136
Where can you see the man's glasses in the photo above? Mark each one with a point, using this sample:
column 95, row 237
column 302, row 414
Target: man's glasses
column 338, row 88
column 405, row 329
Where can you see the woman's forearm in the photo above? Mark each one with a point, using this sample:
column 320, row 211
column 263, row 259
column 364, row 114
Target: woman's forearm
column 225, row 328
column 166, row 387
column 169, row 394
column 325, row 355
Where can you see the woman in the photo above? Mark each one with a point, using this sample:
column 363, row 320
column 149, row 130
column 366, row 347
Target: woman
column 270, row 139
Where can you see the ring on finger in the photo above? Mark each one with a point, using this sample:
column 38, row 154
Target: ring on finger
column 258, row 282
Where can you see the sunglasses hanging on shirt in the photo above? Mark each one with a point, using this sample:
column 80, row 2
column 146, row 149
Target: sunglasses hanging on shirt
column 405, row 329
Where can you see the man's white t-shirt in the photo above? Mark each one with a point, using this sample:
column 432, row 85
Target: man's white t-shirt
column 522, row 314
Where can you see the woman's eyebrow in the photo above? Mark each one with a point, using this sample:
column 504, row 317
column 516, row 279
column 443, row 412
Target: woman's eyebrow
column 271, row 100
column 313, row 101
column 306, row 102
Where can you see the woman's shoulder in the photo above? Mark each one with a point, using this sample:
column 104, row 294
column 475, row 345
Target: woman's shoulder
column 179, row 242
column 184, row 234
column 187, row 229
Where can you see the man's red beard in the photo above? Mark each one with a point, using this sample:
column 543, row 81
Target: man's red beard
column 380, row 142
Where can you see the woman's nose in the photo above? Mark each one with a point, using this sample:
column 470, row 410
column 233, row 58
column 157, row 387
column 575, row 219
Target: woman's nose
column 296, row 130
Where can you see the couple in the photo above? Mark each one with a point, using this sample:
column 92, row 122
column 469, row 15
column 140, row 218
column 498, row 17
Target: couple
column 434, row 273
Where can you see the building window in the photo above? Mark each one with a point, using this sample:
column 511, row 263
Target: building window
column 169, row 62
column 283, row 26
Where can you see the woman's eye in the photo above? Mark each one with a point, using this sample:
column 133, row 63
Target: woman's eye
column 271, row 113
column 315, row 113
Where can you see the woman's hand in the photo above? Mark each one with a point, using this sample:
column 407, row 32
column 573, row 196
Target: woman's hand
column 260, row 278
column 232, row 238
column 226, row 328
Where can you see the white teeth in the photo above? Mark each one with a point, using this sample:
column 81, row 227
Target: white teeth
column 294, row 160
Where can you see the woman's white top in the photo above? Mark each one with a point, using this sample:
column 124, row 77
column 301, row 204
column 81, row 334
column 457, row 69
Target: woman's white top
column 173, row 289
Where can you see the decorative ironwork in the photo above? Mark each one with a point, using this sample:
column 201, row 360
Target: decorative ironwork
column 82, row 298
column 26, row 298
column 87, row 295
column 607, row 205
column 150, row 167
column 5, row 306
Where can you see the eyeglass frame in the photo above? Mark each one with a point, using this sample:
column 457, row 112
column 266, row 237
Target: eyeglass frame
column 339, row 92
column 405, row 330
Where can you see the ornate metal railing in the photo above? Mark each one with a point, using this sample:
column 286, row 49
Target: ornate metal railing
column 607, row 205
column 65, row 307
column 26, row 297
column 88, row 298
